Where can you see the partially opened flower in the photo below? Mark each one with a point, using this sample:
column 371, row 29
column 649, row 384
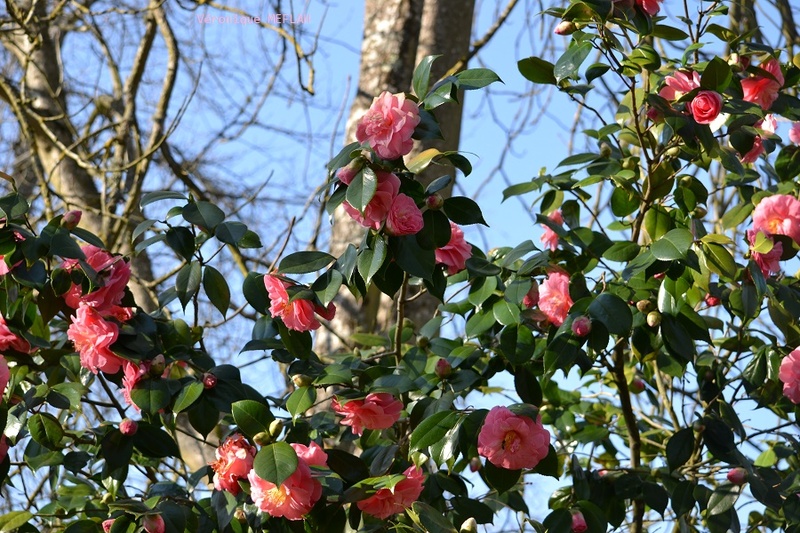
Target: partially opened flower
column 234, row 461
column 651, row 7
column 778, row 214
column 768, row 262
column 762, row 89
column 10, row 340
column 113, row 274
column 550, row 238
column 455, row 253
column 789, row 374
column 554, row 298
column 92, row 337
column 404, row 217
column 387, row 502
column 512, row 441
column 378, row 208
column 293, row 499
column 678, row 84
column 377, row 411
column 297, row 314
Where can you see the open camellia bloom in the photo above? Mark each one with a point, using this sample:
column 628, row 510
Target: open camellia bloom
column 794, row 133
column 679, row 84
column 789, row 374
column 313, row 454
column 381, row 204
column 769, row 125
column 455, row 253
column 234, row 461
column 386, row 502
column 388, row 125
column 133, row 374
column 554, row 298
column 293, row 499
column 768, row 262
column 10, row 340
column 92, row 337
column 298, row 314
column 113, row 274
column 705, row 107
column 5, row 375
column 778, row 214
column 379, row 410
column 404, row 217
column 651, row 7
column 512, row 441
column 763, row 89
column 550, row 238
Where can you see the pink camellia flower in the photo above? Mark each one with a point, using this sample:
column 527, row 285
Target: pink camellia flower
column 531, row 299
column 92, row 337
column 404, row 217
column 10, row 340
column 388, row 125
column 705, row 106
column 154, row 523
column 651, row 7
column 313, row 454
column 678, row 84
column 512, row 441
column 778, row 215
column 378, row 208
column 794, row 133
column 128, row 427
column 768, row 124
column 769, row 262
column 234, row 461
column 379, row 410
column 346, row 174
column 293, row 499
column 549, row 238
column 71, row 219
column 107, row 525
column 386, row 502
column 3, row 447
column 455, row 253
column 133, row 374
column 763, row 90
column 113, row 274
column 565, row 27
column 737, row 476
column 712, row 301
column 579, row 522
column 789, row 374
column 582, row 326
column 5, row 375
column 298, row 314
column 554, row 298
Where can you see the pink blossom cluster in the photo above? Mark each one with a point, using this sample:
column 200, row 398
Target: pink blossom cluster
column 234, row 462
column 789, row 374
column 763, row 89
column 297, row 314
column 388, row 206
column 706, row 105
column 512, row 441
column 778, row 214
column 387, row 502
column 379, row 410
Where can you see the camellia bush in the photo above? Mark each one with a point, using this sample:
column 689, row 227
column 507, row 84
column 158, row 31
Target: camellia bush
column 651, row 334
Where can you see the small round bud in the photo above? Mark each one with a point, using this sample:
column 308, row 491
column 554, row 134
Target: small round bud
column 409, row 324
column 686, row 181
column 262, row 438
column 645, row 306
column 475, row 464
column 301, row 380
column 443, row 368
column 434, row 201
column 659, row 275
column 605, row 150
column 209, row 380
column 423, row 342
column 653, row 319
column 712, row 301
column 154, row 523
column 636, row 385
column 737, row 476
column 157, row 365
column 276, row 428
column 107, row 498
column 109, row 523
column 470, row 525
column 699, row 212
column 698, row 426
column 582, row 326
column 128, row 427
column 71, row 219
column 630, row 163
column 565, row 27
column 579, row 522
column 674, row 151
column 655, row 115
column 240, row 515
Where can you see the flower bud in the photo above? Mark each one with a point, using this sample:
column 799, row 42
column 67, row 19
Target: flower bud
column 605, row 150
column 653, row 319
column 128, row 427
column 582, row 326
column 443, row 368
column 579, row 522
column 409, row 324
column 699, row 212
column 565, row 27
column 659, row 275
column 712, row 301
column 423, row 342
column 434, row 201
column 71, row 219
column 655, row 115
column 636, row 385
column 209, row 380
column 645, row 306
column 686, row 181
column 240, row 515
column 107, row 525
column 157, row 365
column 737, row 476
column 154, row 523
column 275, row 428
column 698, row 426
column 470, row 525
column 262, row 438
column 475, row 464
column 301, row 380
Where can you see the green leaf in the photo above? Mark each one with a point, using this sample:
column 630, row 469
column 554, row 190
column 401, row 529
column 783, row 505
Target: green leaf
column 476, row 78
column 537, row 70
column 719, row 260
column 362, row 189
column 723, row 498
column 371, row 259
column 275, row 463
column 432, row 429
column 300, row 401
column 187, row 282
column 498, row 478
column 203, row 214
column 187, row 396
column 422, row 76
column 46, row 430
column 680, row 448
column 422, row 160
column 255, row 292
column 230, row 232
column 613, row 312
column 344, row 156
column 63, row 245
column 326, row 287
column 463, row 211
column 505, row 312
column 251, row 417
column 478, row 323
column 151, row 395
column 568, row 64
column 655, row 496
column 14, row 520
column 435, row 232
column 155, row 196
column 431, row 519
column 674, row 245
column 217, row 290
column 153, row 441
column 787, row 165
column 662, row 31
column 305, row 262
column 717, row 75
column 682, row 498
column 412, row 258
column 181, row 240
column 622, row 251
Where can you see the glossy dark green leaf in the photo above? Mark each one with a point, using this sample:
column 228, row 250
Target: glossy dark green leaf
column 217, row 290
column 46, row 430
column 476, row 78
column 181, row 240
column 230, row 232
column 436, row 230
column 613, row 312
column 153, row 441
column 187, row 282
column 568, row 64
column 251, row 417
column 255, row 292
column 305, row 262
column 716, row 76
column 787, row 165
column 362, row 189
column 154, row 196
column 680, row 448
column 673, row 245
column 537, row 70
column 463, row 211
column 432, row 429
column 370, row 260
column 203, row 214
column 422, row 76
column 412, row 258
column 275, row 462
column 151, row 395
column 498, row 478
column 300, row 401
